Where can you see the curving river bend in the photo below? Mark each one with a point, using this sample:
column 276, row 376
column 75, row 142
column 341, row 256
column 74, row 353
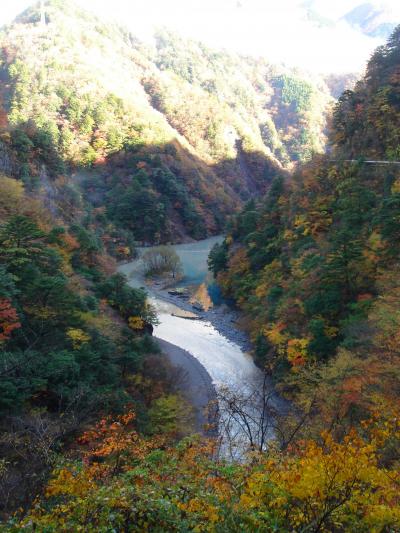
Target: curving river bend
column 229, row 366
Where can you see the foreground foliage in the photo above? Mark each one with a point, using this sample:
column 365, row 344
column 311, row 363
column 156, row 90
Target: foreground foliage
column 125, row 482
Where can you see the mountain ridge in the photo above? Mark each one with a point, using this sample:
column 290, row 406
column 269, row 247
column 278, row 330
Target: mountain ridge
column 177, row 97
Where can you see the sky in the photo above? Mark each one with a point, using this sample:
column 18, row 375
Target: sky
column 275, row 29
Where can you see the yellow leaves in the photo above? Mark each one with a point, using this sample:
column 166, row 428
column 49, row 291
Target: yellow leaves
column 194, row 505
column 342, row 483
column 342, row 477
column 315, row 220
column 102, row 323
column 331, row 331
column 374, row 247
column 297, row 351
column 254, row 491
column 78, row 337
column 66, row 261
column 300, row 222
column 322, row 474
column 212, row 514
column 136, row 323
column 294, row 349
column 375, row 241
column 220, row 487
column 381, row 516
column 202, row 297
column 289, row 235
column 44, row 312
column 276, row 335
column 272, row 273
column 66, row 482
column 262, row 290
column 198, row 506
column 396, row 187
column 11, row 194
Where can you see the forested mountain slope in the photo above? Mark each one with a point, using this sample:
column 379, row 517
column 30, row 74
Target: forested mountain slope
column 71, row 334
column 184, row 132
column 315, row 266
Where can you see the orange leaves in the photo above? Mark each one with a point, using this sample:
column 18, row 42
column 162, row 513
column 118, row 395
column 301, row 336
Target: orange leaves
column 340, row 485
column 364, row 297
column 70, row 242
column 123, row 251
column 107, row 427
column 112, row 444
column 239, row 266
column 202, row 297
column 294, row 349
column 352, row 390
column 239, row 263
column 8, row 319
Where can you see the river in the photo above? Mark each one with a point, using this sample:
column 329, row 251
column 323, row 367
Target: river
column 228, row 365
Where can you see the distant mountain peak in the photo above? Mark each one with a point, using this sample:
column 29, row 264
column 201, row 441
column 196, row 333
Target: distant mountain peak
column 373, row 19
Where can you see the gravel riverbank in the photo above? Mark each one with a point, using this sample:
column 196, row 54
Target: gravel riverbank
column 207, row 345
column 223, row 318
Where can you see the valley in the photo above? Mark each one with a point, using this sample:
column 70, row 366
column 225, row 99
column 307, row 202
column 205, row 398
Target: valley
column 226, row 365
column 199, row 272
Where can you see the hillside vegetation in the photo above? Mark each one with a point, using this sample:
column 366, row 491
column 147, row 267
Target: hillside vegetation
column 315, row 266
column 175, row 134
column 71, row 334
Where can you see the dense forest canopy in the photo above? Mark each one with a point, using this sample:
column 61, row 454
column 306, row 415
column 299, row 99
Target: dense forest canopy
column 186, row 132
column 314, row 266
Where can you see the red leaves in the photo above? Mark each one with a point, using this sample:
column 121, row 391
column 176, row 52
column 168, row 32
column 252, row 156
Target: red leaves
column 8, row 319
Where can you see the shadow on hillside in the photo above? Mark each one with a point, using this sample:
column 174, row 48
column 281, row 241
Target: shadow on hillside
column 159, row 192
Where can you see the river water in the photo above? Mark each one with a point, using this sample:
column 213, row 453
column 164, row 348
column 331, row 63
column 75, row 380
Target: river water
column 228, row 365
column 224, row 360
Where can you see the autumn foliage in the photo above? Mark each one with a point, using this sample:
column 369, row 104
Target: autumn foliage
column 134, row 484
column 8, row 319
column 313, row 265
